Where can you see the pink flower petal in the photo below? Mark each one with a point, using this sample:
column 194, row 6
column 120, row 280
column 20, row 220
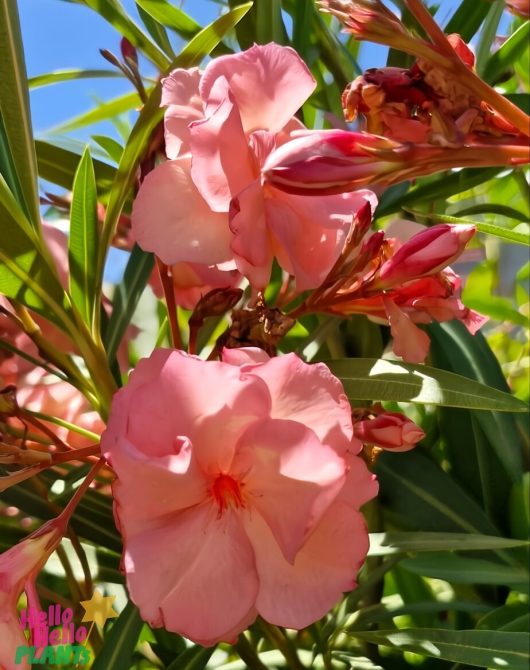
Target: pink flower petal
column 153, row 486
column 193, row 398
column 360, row 485
column 180, row 94
column 194, row 574
column 222, row 163
column 296, row 595
column 310, row 231
column 244, row 356
column 292, row 480
column 251, row 244
column 411, row 343
column 269, row 84
column 171, row 219
column 292, row 383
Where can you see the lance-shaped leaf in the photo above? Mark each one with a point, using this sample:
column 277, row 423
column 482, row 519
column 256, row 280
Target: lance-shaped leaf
column 25, row 274
column 14, row 108
column 498, row 650
column 383, row 544
column 83, row 239
column 120, row 642
column 379, row 379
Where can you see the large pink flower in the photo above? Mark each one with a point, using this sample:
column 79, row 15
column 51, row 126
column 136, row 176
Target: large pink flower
column 209, row 205
column 237, row 493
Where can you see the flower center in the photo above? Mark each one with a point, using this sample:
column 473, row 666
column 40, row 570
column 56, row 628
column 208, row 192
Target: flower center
column 227, row 491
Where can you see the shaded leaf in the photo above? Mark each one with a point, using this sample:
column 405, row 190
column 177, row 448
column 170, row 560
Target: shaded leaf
column 120, row 641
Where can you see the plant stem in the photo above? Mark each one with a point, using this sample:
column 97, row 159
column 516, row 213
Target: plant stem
column 247, row 654
column 283, row 644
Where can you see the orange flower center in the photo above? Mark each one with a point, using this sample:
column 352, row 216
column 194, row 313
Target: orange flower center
column 227, row 491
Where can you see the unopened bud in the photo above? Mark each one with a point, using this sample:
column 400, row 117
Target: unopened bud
column 390, row 430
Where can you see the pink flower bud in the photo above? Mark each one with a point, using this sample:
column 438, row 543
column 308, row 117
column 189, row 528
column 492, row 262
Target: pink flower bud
column 426, row 253
column 390, row 430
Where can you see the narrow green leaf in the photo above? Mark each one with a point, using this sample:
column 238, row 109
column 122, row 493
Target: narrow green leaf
column 171, row 16
column 269, row 22
column 114, row 13
column 467, row 18
column 433, row 501
column 488, row 34
column 14, row 108
column 460, row 570
column 498, row 650
column 58, row 166
column 120, row 641
column 379, row 379
column 491, row 208
column 209, row 37
column 518, row 237
column 194, row 658
column 114, row 149
column 507, row 54
column 157, row 32
column 25, row 275
column 471, row 355
column 503, row 618
column 383, row 544
column 105, row 110
column 58, row 76
column 83, row 239
column 126, row 298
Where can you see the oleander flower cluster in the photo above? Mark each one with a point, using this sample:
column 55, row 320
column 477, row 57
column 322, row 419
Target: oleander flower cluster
column 239, row 470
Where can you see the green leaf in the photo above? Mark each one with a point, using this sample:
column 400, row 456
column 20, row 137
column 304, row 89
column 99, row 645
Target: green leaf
column 497, row 650
column 460, row 570
column 113, row 12
column 114, row 149
column 467, row 18
column 490, row 208
column 471, row 355
column 488, row 34
column 509, row 52
column 25, row 274
column 506, row 234
column 419, row 495
column 379, row 379
column 269, row 22
column 157, row 32
column 83, row 239
column 58, row 76
column 506, row 618
column 383, row 544
column 105, row 110
column 194, row 658
column 120, row 641
column 170, row 17
column 209, row 37
column 58, row 165
column 126, row 298
column 14, row 108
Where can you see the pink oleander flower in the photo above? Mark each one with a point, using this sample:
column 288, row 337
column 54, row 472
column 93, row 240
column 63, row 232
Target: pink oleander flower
column 208, row 205
column 245, row 501
column 389, row 430
column 19, row 567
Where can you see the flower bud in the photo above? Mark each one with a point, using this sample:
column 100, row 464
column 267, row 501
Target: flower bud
column 426, row 253
column 390, row 430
